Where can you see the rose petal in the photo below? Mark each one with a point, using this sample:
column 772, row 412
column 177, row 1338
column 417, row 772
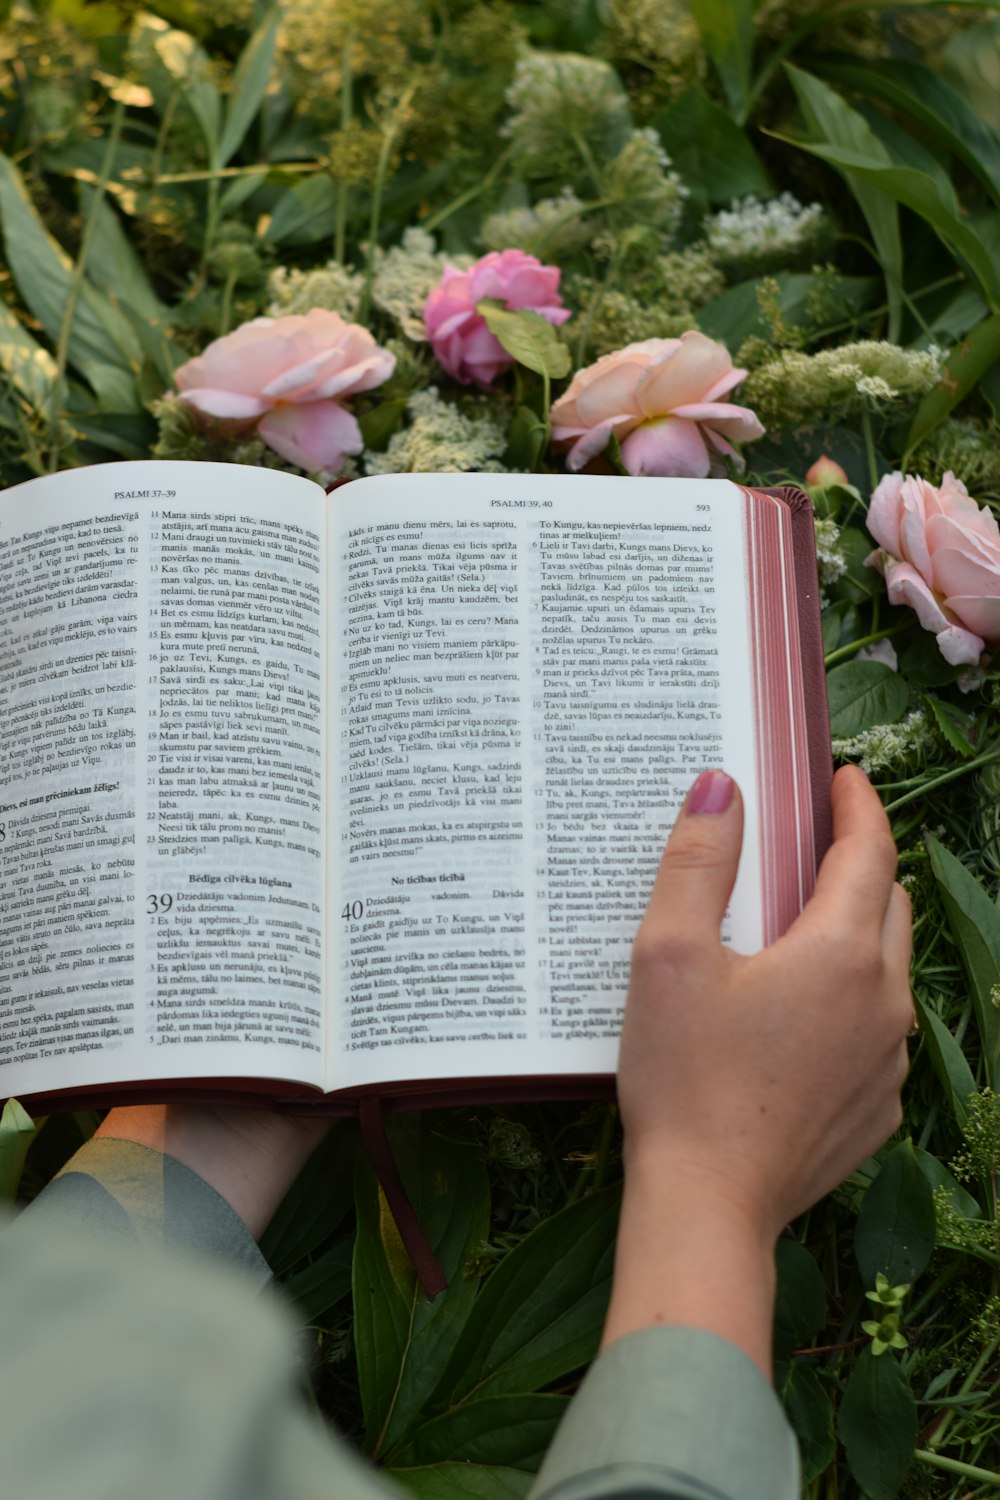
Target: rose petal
column 906, row 586
column 313, row 434
column 671, row 446
column 884, row 512
column 736, row 422
column 978, row 614
column 960, row 648
column 225, row 406
column 683, row 375
column 593, row 441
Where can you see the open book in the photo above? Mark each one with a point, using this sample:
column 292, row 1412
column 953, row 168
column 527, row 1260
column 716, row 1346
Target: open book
column 357, row 795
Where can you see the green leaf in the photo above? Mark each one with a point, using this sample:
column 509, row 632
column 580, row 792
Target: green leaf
column 404, row 1340
column 17, row 1131
column 712, row 154
column 861, row 581
column 943, row 113
column 726, row 28
column 921, row 662
column 948, row 1061
column 43, row 271
column 464, row 1482
column 810, row 1412
column 975, row 925
column 800, row 1303
column 316, row 1203
column 305, row 213
column 113, row 265
column 380, row 423
column 840, row 127
column 954, row 724
column 507, row 1430
column 895, row 1229
column 613, row 454
column 862, row 694
column 526, row 439
column 527, row 337
column 965, row 366
column 28, row 367
column 539, row 1315
column 316, row 1287
column 922, row 193
column 877, row 1424
column 249, row 84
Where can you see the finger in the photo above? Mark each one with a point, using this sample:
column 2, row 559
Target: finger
column 856, row 876
column 897, row 933
column 699, row 864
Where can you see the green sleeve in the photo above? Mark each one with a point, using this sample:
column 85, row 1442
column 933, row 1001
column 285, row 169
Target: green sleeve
column 672, row 1412
column 118, row 1189
column 156, row 1373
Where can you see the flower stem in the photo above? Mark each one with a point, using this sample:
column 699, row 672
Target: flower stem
column 346, row 110
column 227, row 303
column 954, row 1466
column 866, row 428
column 378, row 186
column 936, row 781
column 469, row 194
column 864, row 640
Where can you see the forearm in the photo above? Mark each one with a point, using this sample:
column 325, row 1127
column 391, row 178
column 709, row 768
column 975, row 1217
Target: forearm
column 690, row 1255
column 249, row 1158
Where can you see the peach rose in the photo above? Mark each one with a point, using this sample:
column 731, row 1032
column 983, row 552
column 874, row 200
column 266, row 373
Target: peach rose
column 661, row 397
column 288, row 378
column 940, row 553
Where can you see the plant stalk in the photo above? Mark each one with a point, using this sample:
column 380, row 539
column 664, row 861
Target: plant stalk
column 76, row 280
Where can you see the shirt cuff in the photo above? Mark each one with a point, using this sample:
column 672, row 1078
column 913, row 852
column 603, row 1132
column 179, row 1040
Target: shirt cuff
column 673, row 1412
column 130, row 1192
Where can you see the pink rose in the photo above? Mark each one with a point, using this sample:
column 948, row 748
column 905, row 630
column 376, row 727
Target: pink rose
column 661, row 397
column 826, row 471
column 288, row 378
column 940, row 553
column 459, row 336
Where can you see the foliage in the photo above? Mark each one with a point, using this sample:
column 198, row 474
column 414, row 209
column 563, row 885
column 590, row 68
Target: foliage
column 815, row 185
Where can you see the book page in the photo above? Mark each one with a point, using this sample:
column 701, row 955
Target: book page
column 161, row 776
column 532, row 671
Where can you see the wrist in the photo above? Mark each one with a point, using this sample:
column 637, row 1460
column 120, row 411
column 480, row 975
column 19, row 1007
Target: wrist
column 695, row 1250
column 249, row 1157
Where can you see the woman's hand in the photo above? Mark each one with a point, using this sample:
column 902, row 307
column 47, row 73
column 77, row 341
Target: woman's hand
column 752, row 1085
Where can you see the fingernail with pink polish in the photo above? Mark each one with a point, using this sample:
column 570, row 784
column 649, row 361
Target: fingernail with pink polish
column 711, row 793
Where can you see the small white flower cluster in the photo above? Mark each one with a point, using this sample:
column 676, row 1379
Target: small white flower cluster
column 441, row 439
column 556, row 98
column 832, row 562
column 552, row 225
column 750, row 231
column 889, row 747
column 552, row 84
column 406, row 274
column 334, row 287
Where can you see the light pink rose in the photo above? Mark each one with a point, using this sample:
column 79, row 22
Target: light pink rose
column 826, row 471
column 940, row 553
column 459, row 336
column 288, row 378
column 661, row 397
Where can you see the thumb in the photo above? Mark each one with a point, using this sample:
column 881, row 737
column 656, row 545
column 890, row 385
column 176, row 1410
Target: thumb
column 698, row 868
